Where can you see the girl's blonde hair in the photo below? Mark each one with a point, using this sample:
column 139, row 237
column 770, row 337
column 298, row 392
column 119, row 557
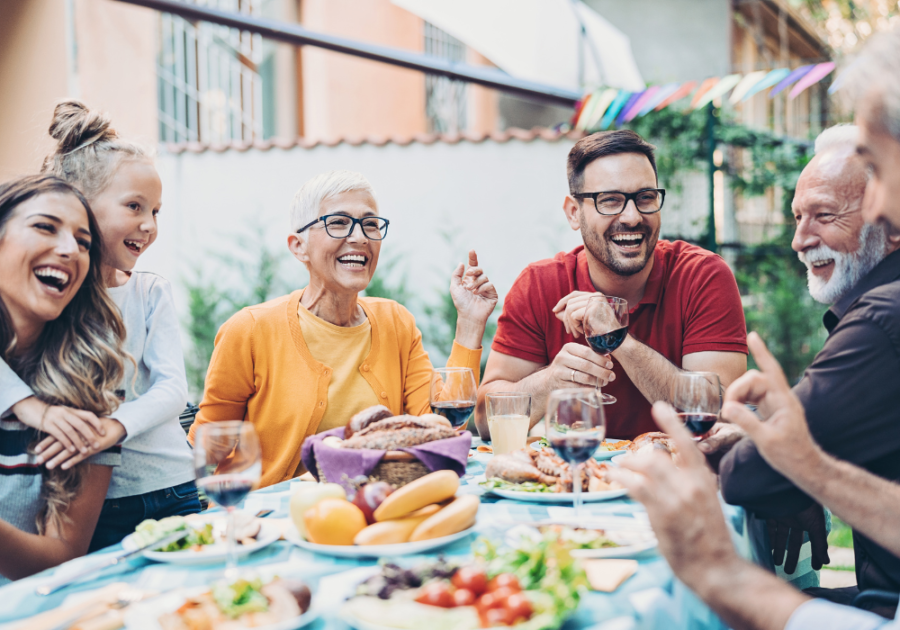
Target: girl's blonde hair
column 88, row 149
column 78, row 359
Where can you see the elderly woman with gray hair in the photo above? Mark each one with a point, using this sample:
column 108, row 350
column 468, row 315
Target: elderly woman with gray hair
column 308, row 361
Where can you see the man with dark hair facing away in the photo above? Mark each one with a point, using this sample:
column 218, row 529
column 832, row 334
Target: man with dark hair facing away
column 684, row 307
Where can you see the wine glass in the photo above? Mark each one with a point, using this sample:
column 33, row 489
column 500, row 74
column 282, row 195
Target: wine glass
column 453, row 394
column 605, row 327
column 698, row 398
column 576, row 425
column 227, row 459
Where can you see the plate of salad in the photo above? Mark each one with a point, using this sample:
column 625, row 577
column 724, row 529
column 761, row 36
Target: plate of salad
column 206, row 541
column 534, row 587
column 536, row 492
column 615, row 537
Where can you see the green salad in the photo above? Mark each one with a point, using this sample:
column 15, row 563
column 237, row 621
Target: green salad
column 151, row 530
column 527, row 486
column 579, row 537
column 242, row 596
column 545, row 569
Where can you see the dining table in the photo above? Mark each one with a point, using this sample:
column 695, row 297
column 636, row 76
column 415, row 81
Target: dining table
column 651, row 598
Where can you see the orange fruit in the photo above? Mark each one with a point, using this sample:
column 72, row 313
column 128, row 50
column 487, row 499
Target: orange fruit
column 333, row 522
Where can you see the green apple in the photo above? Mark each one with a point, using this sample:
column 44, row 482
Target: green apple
column 307, row 496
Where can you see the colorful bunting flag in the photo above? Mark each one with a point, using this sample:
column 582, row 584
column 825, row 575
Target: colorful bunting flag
column 771, row 79
column 639, row 104
column 790, row 79
column 812, row 77
column 719, row 89
column 705, row 87
column 614, row 108
column 677, row 95
column 604, row 107
column 746, row 84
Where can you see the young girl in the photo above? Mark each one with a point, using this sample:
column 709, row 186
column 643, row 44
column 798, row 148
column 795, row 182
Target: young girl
column 156, row 478
column 61, row 337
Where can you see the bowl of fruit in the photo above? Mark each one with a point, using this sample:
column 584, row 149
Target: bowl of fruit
column 379, row 520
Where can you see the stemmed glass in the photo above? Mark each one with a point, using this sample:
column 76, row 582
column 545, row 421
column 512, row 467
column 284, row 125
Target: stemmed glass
column 227, row 459
column 698, row 398
column 605, row 327
column 453, row 394
column 576, row 425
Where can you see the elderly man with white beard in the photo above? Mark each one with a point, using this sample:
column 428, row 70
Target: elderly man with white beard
column 850, row 391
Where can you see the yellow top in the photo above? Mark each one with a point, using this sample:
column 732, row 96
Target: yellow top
column 262, row 371
column 343, row 350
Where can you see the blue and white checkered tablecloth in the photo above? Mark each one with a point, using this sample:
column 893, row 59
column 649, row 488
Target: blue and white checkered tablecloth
column 652, row 598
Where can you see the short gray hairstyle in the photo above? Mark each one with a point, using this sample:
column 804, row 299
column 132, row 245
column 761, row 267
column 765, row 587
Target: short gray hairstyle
column 308, row 200
column 843, row 135
column 878, row 64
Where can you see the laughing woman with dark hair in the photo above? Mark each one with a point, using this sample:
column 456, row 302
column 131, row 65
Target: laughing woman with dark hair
column 62, row 335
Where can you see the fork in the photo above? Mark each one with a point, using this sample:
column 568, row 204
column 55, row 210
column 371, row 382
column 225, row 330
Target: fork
column 124, row 598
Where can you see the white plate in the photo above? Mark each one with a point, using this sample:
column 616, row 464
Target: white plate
column 217, row 552
column 633, row 541
column 145, row 615
column 375, row 551
column 604, row 455
column 617, row 458
column 558, row 497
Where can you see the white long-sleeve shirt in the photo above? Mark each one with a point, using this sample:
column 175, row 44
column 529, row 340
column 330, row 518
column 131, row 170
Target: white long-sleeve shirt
column 155, row 453
column 819, row 614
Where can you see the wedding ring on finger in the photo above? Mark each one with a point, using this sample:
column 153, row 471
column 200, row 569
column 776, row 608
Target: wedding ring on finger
column 573, row 377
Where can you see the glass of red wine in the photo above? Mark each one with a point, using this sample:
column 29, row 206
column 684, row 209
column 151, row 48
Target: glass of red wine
column 453, row 394
column 698, row 398
column 605, row 327
column 576, row 425
column 227, row 458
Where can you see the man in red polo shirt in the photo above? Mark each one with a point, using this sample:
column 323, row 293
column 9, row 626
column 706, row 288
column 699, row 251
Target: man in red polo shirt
column 685, row 309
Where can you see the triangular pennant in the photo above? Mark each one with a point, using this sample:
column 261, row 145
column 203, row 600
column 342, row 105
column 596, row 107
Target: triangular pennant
column 662, row 94
column 614, row 108
column 771, row 79
column 812, row 77
column 600, row 107
column 746, row 84
column 628, row 105
column 705, row 87
column 793, row 77
column 639, row 104
column 719, row 89
column 682, row 92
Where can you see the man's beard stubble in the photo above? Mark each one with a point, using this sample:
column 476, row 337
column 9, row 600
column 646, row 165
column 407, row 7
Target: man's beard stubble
column 602, row 249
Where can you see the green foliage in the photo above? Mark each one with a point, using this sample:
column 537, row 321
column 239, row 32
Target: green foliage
column 254, row 270
column 841, row 535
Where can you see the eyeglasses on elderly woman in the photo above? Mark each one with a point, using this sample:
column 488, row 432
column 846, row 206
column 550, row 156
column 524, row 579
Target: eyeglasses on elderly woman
column 342, row 226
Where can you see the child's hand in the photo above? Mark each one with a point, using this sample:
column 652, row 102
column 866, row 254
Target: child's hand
column 75, row 429
column 52, row 453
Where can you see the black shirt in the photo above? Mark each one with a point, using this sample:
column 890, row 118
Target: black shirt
column 851, row 394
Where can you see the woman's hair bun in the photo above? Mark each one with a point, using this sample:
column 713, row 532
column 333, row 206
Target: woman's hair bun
column 74, row 125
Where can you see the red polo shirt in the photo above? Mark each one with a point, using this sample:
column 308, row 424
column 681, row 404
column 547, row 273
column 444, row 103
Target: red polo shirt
column 691, row 304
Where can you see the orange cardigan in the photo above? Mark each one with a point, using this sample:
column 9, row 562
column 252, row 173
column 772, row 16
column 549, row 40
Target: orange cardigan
column 262, row 371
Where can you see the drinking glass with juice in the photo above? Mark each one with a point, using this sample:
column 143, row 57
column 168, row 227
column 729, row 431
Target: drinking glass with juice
column 509, row 418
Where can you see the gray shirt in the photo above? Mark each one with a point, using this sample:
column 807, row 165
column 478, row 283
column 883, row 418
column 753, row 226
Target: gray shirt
column 155, row 453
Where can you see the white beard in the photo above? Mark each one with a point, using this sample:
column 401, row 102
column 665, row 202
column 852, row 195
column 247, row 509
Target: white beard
column 849, row 268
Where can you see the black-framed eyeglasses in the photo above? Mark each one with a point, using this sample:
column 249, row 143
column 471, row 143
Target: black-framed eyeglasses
column 342, row 226
column 613, row 202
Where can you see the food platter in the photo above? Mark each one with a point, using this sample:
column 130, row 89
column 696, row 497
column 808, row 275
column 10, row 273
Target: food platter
column 631, row 541
column 144, row 615
column 558, row 497
column 605, row 455
column 208, row 554
column 374, row 551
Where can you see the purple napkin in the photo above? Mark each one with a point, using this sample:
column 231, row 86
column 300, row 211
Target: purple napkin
column 448, row 454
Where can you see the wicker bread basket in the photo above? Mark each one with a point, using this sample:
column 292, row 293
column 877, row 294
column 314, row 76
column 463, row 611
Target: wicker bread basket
column 398, row 468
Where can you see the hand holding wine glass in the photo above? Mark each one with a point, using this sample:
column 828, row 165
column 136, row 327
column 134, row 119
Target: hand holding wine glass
column 575, row 427
column 698, row 398
column 227, row 458
column 453, row 394
column 605, row 327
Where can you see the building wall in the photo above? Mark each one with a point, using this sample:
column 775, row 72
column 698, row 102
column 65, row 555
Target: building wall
column 113, row 70
column 674, row 40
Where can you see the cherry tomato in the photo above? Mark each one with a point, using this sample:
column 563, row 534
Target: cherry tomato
column 504, row 579
column 436, row 594
column 463, row 597
column 471, row 578
column 489, row 601
column 498, row 617
column 519, row 607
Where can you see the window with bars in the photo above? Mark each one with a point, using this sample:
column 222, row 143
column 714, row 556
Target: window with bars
column 445, row 99
column 208, row 79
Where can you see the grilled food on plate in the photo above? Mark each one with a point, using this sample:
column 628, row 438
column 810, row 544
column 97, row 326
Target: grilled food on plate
column 528, row 470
